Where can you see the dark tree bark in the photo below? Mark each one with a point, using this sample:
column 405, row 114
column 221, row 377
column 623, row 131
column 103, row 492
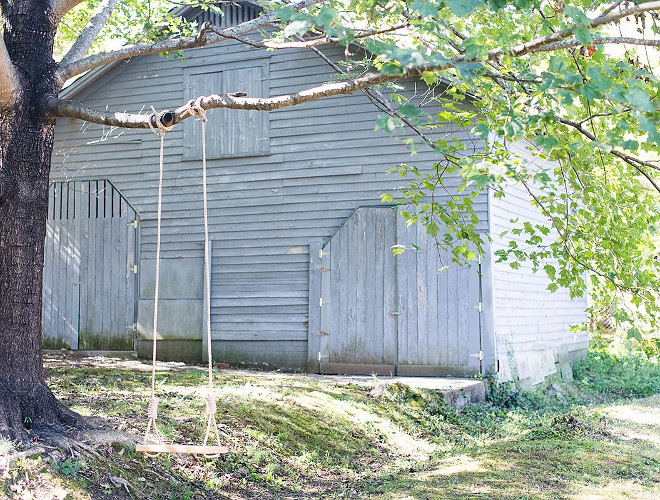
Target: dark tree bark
column 26, row 143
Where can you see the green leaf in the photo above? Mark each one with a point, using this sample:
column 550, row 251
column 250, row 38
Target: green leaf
column 558, row 64
column 469, row 70
column 577, row 15
column 463, row 7
column 630, row 145
column 550, row 271
column 481, row 130
column 424, row 8
column 634, row 333
column 584, row 36
column 639, row 99
column 475, row 50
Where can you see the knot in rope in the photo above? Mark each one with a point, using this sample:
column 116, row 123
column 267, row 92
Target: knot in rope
column 159, row 129
column 152, row 410
column 195, row 109
column 211, row 405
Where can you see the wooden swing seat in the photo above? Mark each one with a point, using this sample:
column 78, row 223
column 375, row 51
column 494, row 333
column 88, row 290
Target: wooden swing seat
column 182, row 448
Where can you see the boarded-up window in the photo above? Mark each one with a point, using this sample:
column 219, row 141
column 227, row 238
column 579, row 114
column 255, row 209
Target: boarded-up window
column 230, row 132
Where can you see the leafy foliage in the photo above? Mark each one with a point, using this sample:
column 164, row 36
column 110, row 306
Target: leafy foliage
column 619, row 375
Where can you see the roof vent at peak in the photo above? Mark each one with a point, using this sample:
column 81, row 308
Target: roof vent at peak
column 233, row 13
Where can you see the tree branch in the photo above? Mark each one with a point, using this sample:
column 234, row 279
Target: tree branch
column 204, row 38
column 140, row 49
column 566, row 241
column 305, row 43
column 600, row 40
column 72, row 109
column 636, row 163
column 89, row 33
column 61, row 7
column 535, row 45
column 9, row 85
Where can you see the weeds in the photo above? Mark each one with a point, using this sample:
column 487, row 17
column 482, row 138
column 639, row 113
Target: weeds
column 68, row 467
column 607, row 376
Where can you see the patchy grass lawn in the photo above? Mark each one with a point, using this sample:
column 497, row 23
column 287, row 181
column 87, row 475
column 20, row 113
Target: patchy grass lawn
column 296, row 437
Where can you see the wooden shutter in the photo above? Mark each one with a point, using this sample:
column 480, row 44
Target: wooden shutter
column 230, row 132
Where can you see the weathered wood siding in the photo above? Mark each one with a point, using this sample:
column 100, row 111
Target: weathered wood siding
column 323, row 160
column 89, row 284
column 531, row 324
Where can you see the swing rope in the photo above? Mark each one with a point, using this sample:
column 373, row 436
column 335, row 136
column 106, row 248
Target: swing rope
column 152, row 433
column 152, row 426
column 195, row 109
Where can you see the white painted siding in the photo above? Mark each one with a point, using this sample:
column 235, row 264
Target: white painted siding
column 531, row 324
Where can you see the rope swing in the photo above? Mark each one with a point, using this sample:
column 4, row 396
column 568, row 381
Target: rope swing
column 153, row 442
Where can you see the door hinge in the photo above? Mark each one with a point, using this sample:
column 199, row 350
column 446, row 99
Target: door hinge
column 133, row 269
column 322, row 356
column 323, row 254
column 133, row 224
column 323, row 302
column 479, row 355
column 480, row 307
column 395, row 313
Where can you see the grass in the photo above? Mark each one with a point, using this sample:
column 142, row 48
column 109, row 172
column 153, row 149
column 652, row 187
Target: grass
column 298, row 437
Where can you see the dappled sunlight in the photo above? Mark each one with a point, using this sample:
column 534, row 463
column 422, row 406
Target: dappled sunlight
column 398, row 441
column 615, row 489
column 454, row 465
column 635, row 414
column 639, row 421
column 293, row 436
column 249, row 390
column 639, row 433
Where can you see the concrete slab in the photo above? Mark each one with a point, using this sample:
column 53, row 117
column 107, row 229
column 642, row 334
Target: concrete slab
column 456, row 391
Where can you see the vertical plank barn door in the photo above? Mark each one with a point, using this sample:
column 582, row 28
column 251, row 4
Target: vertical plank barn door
column 89, row 268
column 358, row 304
column 416, row 314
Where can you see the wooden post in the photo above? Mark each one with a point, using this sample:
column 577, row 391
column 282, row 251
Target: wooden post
column 314, row 323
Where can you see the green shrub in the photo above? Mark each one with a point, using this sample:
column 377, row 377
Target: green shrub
column 627, row 376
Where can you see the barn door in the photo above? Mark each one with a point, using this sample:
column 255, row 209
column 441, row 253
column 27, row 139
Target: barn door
column 61, row 280
column 89, row 273
column 439, row 308
column 391, row 315
column 358, row 304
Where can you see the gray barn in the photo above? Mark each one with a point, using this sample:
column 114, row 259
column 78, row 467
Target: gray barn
column 303, row 276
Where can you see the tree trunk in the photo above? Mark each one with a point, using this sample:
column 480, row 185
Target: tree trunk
column 26, row 143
